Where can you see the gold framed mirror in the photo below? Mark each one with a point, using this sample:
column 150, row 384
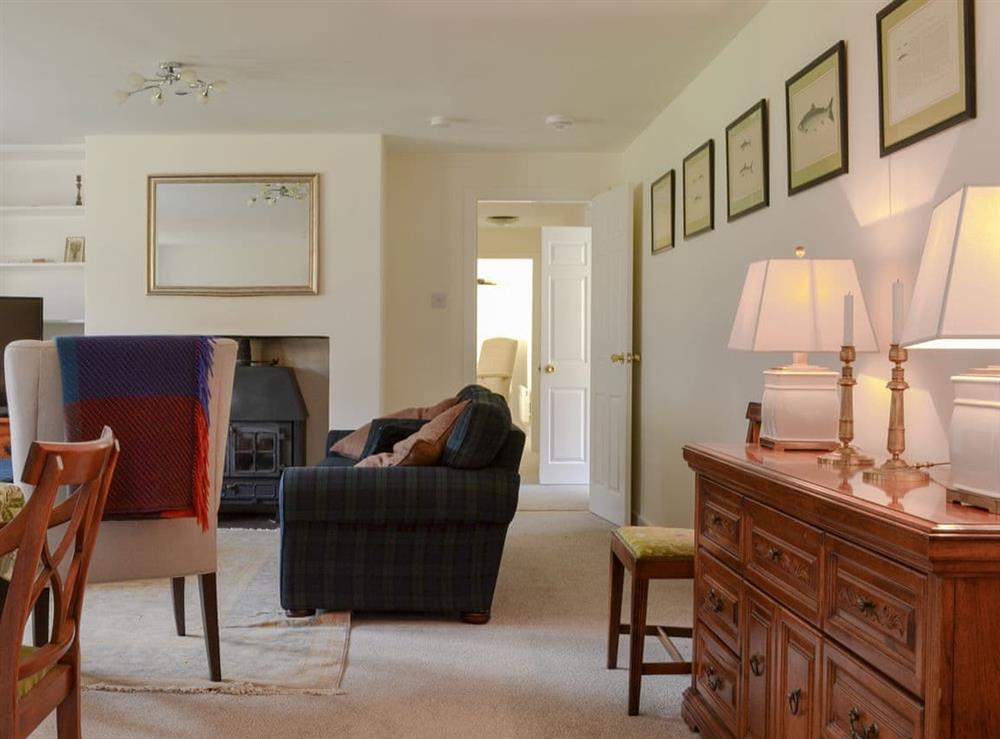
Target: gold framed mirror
column 232, row 235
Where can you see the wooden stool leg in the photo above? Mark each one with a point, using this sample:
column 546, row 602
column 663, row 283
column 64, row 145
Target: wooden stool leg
column 177, row 593
column 637, row 637
column 617, row 582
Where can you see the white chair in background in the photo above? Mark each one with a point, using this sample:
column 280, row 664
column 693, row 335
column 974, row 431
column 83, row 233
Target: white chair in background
column 496, row 365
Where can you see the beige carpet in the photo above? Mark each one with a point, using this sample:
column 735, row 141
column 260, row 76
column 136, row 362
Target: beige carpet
column 534, row 497
column 129, row 642
column 536, row 670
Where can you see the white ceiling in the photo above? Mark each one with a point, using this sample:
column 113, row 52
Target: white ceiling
column 498, row 66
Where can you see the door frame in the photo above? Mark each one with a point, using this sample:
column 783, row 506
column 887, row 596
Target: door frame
column 470, row 229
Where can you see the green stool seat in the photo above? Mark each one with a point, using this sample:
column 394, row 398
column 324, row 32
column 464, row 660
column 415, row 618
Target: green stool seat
column 657, row 542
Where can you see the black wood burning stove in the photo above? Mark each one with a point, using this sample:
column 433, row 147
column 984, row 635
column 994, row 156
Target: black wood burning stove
column 267, row 433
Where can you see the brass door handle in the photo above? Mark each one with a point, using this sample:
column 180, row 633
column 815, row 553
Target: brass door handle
column 716, row 601
column 757, row 665
column 631, row 357
column 549, row 369
column 795, row 701
column 866, row 732
column 618, row 357
column 713, row 680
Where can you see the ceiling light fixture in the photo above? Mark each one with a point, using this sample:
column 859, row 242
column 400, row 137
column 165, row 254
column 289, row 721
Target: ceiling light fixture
column 272, row 193
column 503, row 220
column 559, row 122
column 439, row 121
column 173, row 77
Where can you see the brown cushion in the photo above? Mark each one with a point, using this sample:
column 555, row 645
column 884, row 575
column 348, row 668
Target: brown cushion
column 352, row 445
column 422, row 449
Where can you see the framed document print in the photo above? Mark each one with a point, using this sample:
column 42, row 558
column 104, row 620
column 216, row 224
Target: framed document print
column 747, row 176
column 661, row 212
column 926, row 69
column 699, row 190
column 816, row 120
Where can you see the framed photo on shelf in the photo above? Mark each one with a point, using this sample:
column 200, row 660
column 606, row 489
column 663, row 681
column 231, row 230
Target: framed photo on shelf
column 747, row 168
column 816, row 120
column 661, row 213
column 699, row 190
column 926, row 69
column 75, row 249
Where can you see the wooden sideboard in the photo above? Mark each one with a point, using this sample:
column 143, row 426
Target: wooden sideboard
column 829, row 607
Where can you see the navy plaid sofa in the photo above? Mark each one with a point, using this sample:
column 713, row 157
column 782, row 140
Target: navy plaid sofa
column 405, row 538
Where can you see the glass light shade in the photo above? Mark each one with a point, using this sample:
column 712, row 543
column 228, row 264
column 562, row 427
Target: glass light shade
column 219, row 85
column 189, row 75
column 136, row 80
column 121, row 96
column 956, row 300
column 797, row 305
column 203, row 97
column 157, row 98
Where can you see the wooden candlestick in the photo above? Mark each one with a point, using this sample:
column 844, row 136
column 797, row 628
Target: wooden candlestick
column 896, row 468
column 847, row 455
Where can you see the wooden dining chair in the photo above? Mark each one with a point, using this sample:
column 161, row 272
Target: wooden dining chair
column 36, row 680
column 753, row 422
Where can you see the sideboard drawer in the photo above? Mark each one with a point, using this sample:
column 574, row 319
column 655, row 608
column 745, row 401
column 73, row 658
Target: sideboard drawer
column 784, row 558
column 877, row 608
column 717, row 599
column 857, row 703
column 720, row 521
column 717, row 675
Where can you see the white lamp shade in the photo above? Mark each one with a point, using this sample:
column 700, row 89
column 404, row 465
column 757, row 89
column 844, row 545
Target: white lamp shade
column 797, row 305
column 956, row 301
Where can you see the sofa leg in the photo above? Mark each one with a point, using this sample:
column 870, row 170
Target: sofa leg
column 300, row 612
column 476, row 618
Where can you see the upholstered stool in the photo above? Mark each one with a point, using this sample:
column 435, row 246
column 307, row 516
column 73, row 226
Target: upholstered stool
column 649, row 553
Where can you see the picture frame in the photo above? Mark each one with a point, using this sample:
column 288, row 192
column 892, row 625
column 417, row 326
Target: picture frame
column 699, row 190
column 76, row 249
column 661, row 213
column 816, row 120
column 748, row 163
column 932, row 41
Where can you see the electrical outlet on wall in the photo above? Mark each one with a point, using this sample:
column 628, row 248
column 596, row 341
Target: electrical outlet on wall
column 439, row 300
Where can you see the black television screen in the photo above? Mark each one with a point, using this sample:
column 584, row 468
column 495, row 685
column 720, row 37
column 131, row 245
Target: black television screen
column 20, row 318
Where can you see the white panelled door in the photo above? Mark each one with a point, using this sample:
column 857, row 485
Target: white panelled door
column 611, row 377
column 564, row 379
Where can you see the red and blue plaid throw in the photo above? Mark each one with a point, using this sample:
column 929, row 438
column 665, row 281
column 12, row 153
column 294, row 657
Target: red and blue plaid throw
column 153, row 392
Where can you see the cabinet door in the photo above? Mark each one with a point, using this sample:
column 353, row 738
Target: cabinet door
column 758, row 675
column 796, row 702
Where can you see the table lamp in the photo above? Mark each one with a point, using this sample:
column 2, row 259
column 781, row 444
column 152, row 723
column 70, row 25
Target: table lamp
column 798, row 306
column 956, row 305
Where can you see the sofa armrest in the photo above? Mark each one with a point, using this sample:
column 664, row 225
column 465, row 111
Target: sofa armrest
column 398, row 495
column 333, row 436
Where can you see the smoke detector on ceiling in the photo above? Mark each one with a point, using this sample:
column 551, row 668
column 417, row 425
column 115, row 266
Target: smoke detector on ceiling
column 503, row 220
column 559, row 122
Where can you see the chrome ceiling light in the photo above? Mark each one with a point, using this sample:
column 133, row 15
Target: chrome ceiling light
column 272, row 193
column 171, row 77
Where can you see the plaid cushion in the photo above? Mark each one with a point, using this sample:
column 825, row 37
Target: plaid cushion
column 480, row 432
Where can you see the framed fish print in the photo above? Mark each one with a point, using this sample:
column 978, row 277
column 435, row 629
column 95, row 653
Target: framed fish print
column 816, row 120
column 926, row 69
column 661, row 213
column 699, row 190
column 747, row 174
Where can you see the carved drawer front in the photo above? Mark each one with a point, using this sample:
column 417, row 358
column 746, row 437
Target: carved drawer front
column 857, row 704
column 717, row 675
column 759, row 613
column 876, row 607
column 717, row 595
column 797, row 684
column 784, row 558
column 719, row 521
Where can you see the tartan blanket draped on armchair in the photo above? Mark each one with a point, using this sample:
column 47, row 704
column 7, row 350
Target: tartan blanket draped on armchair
column 405, row 538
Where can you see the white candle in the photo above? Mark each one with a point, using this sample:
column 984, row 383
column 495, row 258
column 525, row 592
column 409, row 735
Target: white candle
column 848, row 319
column 897, row 312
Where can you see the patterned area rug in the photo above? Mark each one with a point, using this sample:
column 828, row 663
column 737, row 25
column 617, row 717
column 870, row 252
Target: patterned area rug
column 129, row 643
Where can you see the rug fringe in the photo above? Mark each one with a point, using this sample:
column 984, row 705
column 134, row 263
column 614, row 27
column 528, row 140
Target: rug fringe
column 233, row 688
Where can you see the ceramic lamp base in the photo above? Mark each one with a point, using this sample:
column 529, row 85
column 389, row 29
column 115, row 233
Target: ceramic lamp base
column 975, row 439
column 800, row 408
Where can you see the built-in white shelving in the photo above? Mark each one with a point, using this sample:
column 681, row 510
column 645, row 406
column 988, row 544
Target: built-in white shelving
column 37, row 214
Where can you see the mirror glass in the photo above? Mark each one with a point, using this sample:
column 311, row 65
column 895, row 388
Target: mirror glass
column 245, row 235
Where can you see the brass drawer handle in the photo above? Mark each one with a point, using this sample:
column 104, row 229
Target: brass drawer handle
column 774, row 554
column 713, row 680
column 717, row 602
column 866, row 732
column 716, row 519
column 757, row 665
column 865, row 605
column 795, row 701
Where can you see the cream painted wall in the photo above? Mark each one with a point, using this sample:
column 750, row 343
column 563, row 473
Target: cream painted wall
column 429, row 248
column 349, row 307
column 692, row 387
